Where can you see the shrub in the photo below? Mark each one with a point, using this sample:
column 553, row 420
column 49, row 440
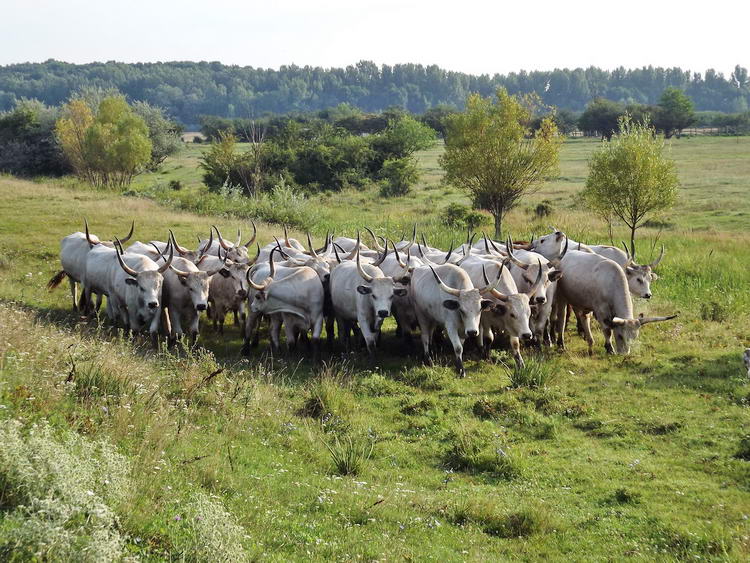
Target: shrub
column 714, row 311
column 214, row 534
column 350, row 455
column 472, row 452
column 543, row 209
column 458, row 216
column 398, row 174
column 197, row 139
column 493, row 521
column 743, row 452
column 175, row 185
column 58, row 495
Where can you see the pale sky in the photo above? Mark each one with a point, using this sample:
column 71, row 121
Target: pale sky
column 469, row 36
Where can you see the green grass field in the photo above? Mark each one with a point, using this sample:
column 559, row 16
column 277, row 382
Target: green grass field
column 613, row 457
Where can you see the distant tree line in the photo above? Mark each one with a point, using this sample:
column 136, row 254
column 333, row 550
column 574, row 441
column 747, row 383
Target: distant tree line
column 187, row 90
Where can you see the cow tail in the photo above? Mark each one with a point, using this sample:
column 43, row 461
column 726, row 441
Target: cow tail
column 56, row 280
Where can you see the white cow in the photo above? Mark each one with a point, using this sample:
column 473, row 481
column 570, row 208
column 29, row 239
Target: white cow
column 592, row 283
column 453, row 305
column 361, row 294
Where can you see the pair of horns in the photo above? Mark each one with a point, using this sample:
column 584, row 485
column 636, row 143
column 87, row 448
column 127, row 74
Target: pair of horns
column 130, row 271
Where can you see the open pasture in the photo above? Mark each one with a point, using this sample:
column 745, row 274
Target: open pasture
column 610, row 457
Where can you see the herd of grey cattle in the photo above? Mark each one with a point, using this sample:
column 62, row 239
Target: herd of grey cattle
column 478, row 291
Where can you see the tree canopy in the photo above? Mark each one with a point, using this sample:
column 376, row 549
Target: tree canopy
column 630, row 177
column 491, row 152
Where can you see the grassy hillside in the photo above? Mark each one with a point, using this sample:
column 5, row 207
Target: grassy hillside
column 612, row 457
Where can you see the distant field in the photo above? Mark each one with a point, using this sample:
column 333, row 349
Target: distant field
column 616, row 457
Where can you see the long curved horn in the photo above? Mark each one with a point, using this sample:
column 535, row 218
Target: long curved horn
column 645, row 320
column 494, row 246
column 257, row 255
column 222, row 242
column 128, row 270
column 629, row 261
column 255, row 234
column 168, row 263
column 421, row 253
column 254, row 285
column 424, row 241
column 278, row 246
column 467, row 254
column 538, row 282
column 183, row 274
column 239, row 238
column 486, row 245
column 336, row 252
column 413, row 237
column 398, row 258
column 272, row 264
column 450, row 252
column 92, row 244
column 352, row 254
column 492, row 286
column 179, row 248
column 365, row 276
column 311, row 247
column 447, row 289
column 655, row 263
column 375, row 240
column 516, row 261
column 216, row 270
column 127, row 237
column 286, row 238
column 209, row 244
column 325, row 248
column 379, row 261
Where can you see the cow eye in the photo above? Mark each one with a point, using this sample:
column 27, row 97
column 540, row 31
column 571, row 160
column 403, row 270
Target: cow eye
column 512, row 315
column 640, row 280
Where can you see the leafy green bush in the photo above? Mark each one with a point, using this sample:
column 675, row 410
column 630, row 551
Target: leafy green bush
column 458, row 216
column 543, row 209
column 399, row 174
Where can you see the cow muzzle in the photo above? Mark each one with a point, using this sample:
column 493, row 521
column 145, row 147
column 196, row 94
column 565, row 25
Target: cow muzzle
column 242, row 294
column 540, row 300
column 153, row 304
column 472, row 333
column 383, row 313
column 647, row 296
column 201, row 307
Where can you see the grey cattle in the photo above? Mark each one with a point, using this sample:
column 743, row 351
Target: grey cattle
column 594, row 284
column 445, row 298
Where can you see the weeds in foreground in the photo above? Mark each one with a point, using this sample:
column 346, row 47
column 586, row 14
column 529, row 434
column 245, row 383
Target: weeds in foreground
column 349, row 455
column 533, row 374
column 485, row 514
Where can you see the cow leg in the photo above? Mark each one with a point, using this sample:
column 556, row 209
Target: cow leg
column 561, row 310
column 290, row 331
column 176, row 323
column 585, row 323
column 274, row 333
column 425, row 330
column 317, row 330
column 73, row 292
column 458, row 350
column 607, row 339
column 485, row 333
column 153, row 329
column 515, row 345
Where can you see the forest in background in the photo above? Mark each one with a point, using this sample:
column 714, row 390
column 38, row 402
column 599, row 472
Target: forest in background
column 188, row 90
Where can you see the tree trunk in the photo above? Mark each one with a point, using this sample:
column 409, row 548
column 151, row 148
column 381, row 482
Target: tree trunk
column 498, row 225
column 632, row 241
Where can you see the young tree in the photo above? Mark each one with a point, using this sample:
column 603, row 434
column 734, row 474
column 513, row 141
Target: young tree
column 674, row 112
column 630, row 177
column 70, row 130
column 491, row 153
column 163, row 133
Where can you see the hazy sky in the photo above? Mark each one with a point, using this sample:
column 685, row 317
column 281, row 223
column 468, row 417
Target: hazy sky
column 470, row 36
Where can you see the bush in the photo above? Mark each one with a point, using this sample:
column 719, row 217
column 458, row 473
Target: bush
column 462, row 217
column 472, row 452
column 214, row 534
column 486, row 515
column 197, row 139
column 714, row 311
column 175, row 185
column 398, row 175
column 58, row 496
column 743, row 452
column 543, row 209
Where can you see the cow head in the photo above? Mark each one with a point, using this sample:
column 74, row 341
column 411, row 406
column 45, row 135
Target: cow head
column 145, row 286
column 196, row 284
column 466, row 303
column 550, row 246
column 514, row 310
column 378, row 292
column 640, row 276
column 626, row 330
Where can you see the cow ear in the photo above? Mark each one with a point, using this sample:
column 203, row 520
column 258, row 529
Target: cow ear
column 500, row 309
column 131, row 281
column 559, row 235
column 654, row 277
column 451, row 304
column 554, row 275
column 224, row 273
column 486, row 304
column 364, row 289
column 400, row 291
column 406, row 280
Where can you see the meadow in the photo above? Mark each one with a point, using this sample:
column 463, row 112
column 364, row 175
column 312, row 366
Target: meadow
column 219, row 457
